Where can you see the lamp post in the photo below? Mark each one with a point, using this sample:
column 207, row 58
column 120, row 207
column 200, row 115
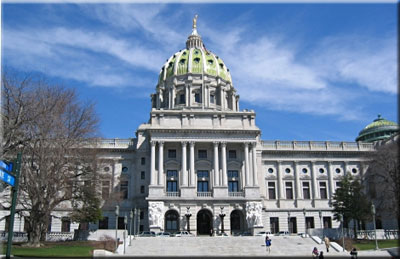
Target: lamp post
column 138, row 226
column 341, row 223
column 130, row 227
column 125, row 224
column 320, row 222
column 288, row 221
column 373, row 219
column 305, row 222
column 116, row 226
column 135, row 227
column 188, row 215
column 222, row 215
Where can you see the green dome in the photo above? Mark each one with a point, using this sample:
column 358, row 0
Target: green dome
column 195, row 59
column 379, row 129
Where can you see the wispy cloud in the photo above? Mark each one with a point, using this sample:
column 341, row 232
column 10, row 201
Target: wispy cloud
column 266, row 70
column 325, row 81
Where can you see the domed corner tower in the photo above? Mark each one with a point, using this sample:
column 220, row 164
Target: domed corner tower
column 379, row 129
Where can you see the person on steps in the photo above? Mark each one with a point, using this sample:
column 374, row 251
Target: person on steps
column 268, row 243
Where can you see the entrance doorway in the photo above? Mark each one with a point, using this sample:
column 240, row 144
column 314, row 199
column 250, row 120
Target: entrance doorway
column 171, row 221
column 204, row 222
column 292, row 225
column 237, row 222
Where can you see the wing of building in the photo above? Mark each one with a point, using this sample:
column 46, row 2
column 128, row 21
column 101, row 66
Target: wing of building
column 199, row 163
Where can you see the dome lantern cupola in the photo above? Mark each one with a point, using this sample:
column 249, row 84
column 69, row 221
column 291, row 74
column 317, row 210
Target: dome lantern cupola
column 195, row 78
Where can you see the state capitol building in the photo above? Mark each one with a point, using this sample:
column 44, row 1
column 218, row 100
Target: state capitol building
column 201, row 155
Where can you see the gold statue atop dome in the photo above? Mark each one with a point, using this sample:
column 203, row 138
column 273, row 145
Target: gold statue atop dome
column 195, row 21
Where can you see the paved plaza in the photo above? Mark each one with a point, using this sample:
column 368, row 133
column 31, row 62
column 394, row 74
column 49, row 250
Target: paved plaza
column 231, row 246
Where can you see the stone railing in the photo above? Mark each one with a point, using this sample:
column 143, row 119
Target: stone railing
column 172, row 194
column 236, row 194
column 317, row 145
column 204, row 194
column 17, row 236
column 116, row 143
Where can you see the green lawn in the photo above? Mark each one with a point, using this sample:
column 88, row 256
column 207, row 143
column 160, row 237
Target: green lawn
column 57, row 250
column 370, row 244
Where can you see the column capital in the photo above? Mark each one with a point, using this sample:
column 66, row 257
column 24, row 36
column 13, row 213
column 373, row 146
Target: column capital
column 246, row 144
column 223, row 144
column 184, row 143
column 216, row 143
column 192, row 143
column 153, row 143
column 253, row 144
column 279, row 161
column 161, row 143
column 329, row 163
column 295, row 163
column 312, row 162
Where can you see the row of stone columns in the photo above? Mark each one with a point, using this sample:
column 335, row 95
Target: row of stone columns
column 314, row 183
column 188, row 178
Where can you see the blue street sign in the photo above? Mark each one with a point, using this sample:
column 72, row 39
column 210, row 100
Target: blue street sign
column 6, row 177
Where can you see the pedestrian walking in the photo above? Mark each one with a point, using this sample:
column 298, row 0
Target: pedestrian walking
column 268, row 243
column 327, row 243
column 354, row 253
column 321, row 255
column 315, row 253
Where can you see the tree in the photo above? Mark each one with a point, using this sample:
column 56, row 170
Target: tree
column 383, row 177
column 350, row 201
column 56, row 133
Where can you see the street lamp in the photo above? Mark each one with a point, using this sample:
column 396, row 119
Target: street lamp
column 373, row 219
column 305, row 222
column 135, row 227
column 341, row 223
column 288, row 221
column 116, row 226
column 188, row 215
column 125, row 223
column 320, row 222
column 130, row 227
column 222, row 215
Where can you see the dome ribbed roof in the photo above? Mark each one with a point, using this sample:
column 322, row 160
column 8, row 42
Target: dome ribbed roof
column 379, row 129
column 195, row 59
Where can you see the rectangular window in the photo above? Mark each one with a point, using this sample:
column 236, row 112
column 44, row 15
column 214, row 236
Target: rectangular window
column 142, row 175
column 172, row 181
column 233, row 181
column 202, row 181
column 65, row 225
column 171, row 153
column 202, row 153
column 323, row 190
column 271, row 191
column 306, row 190
column 105, row 189
column 212, row 98
column 103, row 223
column 274, row 223
column 141, row 228
column 142, row 215
column 143, row 161
column 232, row 154
column 310, row 222
column 338, row 184
column 124, row 189
column 197, row 97
column 327, row 222
column 121, row 224
column 289, row 190
column 182, row 98
column 142, row 189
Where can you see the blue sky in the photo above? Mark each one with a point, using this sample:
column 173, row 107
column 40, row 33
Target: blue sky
column 310, row 71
